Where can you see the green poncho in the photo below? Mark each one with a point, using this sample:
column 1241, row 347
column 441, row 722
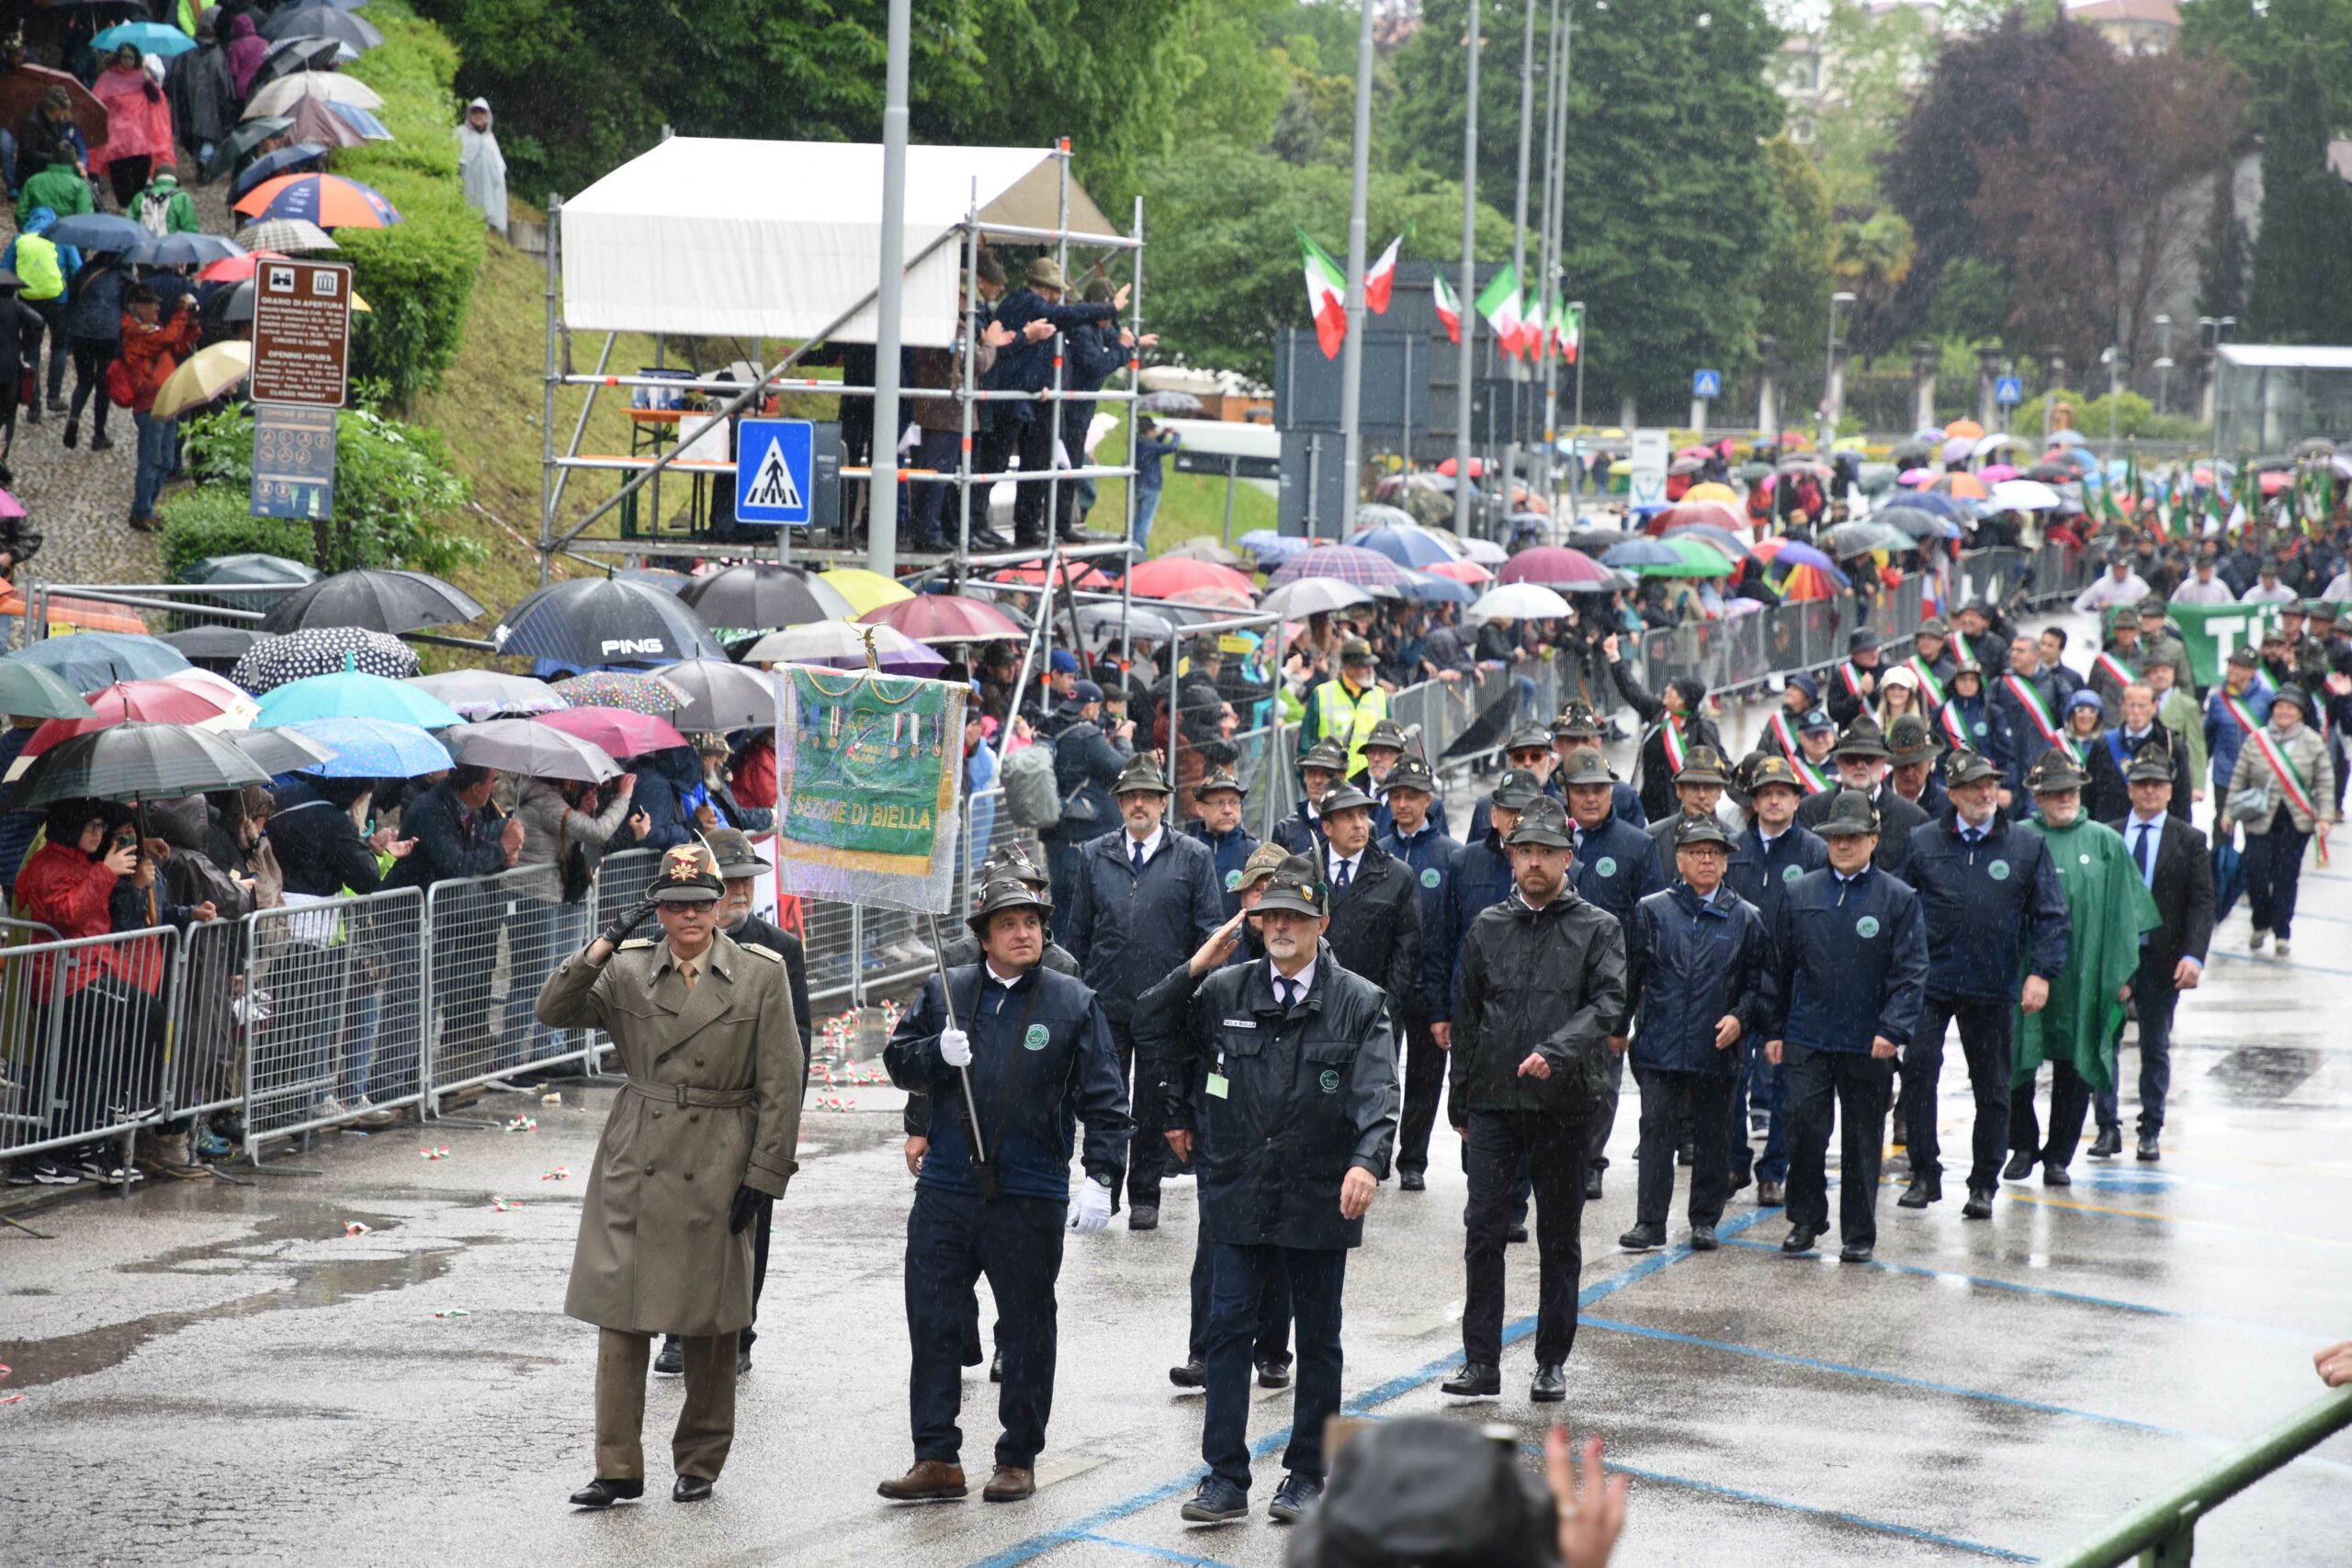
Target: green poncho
column 2110, row 907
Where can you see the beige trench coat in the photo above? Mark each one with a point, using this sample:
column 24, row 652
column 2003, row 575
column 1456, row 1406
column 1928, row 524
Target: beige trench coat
column 713, row 1103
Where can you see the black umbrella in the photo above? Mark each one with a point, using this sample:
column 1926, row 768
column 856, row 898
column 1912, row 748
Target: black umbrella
column 322, row 650
column 279, row 749
column 1912, row 454
column 599, row 621
column 376, row 599
column 135, row 762
column 248, row 135
column 763, row 594
column 1178, row 405
column 321, row 22
column 214, row 645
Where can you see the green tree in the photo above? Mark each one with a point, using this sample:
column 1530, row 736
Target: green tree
column 2221, row 260
column 1667, row 184
column 1971, row 303
column 1793, row 291
column 2266, row 38
column 1872, row 55
column 2299, row 254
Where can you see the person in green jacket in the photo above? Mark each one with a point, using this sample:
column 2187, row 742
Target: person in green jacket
column 163, row 208
column 61, row 188
column 2109, row 906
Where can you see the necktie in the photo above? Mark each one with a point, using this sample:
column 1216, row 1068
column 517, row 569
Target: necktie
column 1340, row 882
column 686, row 972
column 1284, row 992
column 2140, row 849
column 1134, row 854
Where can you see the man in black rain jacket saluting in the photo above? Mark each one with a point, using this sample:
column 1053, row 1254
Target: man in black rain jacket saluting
column 1283, row 1071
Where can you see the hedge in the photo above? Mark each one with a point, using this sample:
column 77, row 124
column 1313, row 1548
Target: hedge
column 216, row 520
column 418, row 276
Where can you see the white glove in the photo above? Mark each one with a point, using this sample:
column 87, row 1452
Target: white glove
column 1094, row 1210
column 954, row 1047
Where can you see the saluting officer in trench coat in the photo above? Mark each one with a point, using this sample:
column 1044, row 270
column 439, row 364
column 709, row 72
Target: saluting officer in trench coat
column 704, row 1131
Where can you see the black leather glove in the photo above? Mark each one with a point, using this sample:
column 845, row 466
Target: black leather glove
column 746, row 1208
column 617, row 930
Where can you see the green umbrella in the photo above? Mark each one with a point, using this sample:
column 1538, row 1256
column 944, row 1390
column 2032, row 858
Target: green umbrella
column 246, row 137
column 135, row 762
column 1700, row 559
column 254, row 570
column 31, row 690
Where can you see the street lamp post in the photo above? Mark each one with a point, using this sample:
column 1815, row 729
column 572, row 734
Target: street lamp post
column 2164, row 364
column 1575, row 313
column 1465, row 363
column 2218, row 326
column 1829, row 399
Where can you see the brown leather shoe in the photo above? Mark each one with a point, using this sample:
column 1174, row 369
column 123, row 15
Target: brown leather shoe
column 930, row 1481
column 1011, row 1484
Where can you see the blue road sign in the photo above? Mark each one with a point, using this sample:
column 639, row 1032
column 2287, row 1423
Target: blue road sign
column 2009, row 392
column 1706, row 383
column 774, row 471
column 293, row 461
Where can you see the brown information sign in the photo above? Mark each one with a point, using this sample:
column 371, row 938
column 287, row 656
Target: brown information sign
column 301, row 332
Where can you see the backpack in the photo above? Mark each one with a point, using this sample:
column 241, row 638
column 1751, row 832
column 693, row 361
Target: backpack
column 153, row 210
column 1030, row 793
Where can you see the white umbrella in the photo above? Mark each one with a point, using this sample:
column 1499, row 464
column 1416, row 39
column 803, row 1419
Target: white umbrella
column 1993, row 442
column 532, row 750
column 1519, row 602
column 1107, row 620
column 330, row 86
column 2024, row 495
column 1485, row 552
column 1312, row 595
column 835, row 642
column 477, row 694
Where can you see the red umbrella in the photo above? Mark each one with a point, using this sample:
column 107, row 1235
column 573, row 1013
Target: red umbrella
column 1477, row 468
column 1714, row 514
column 1171, row 575
column 22, row 89
column 1554, row 566
column 620, row 732
column 1467, row 571
column 236, row 269
column 1077, row 574
column 150, row 701
column 944, row 618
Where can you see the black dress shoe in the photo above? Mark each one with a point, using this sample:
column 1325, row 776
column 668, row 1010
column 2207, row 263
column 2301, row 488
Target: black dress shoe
column 1411, row 1182
column 743, row 1360
column 1739, row 1180
column 1643, row 1238
column 603, row 1494
column 1920, row 1191
column 670, row 1362
column 1217, row 1501
column 988, row 539
column 1800, row 1239
column 1476, row 1380
column 2020, row 1166
column 1685, row 1154
column 690, row 1489
column 2109, row 1143
column 996, row 1367
column 1702, row 1238
column 1515, row 1235
column 1551, row 1384
column 1978, row 1207
column 1143, row 1217
column 1273, row 1374
column 1770, row 1194
column 1193, row 1373
column 1293, row 1498
column 1854, row 1252
column 1592, row 1187
column 2148, row 1150
column 2056, row 1176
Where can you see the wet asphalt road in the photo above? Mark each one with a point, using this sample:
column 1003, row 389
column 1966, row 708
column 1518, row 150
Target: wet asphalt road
column 219, row 1373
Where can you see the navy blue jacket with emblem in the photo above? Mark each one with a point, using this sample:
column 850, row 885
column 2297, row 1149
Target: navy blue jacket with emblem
column 1310, row 1092
column 1688, row 964
column 1232, row 852
column 1042, row 1062
column 1991, row 907
column 1762, row 874
column 1616, row 867
column 1850, row 960
column 1300, row 833
column 1126, row 930
column 1436, row 863
column 1624, row 803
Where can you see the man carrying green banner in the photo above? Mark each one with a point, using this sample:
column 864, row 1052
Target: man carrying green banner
column 2109, row 906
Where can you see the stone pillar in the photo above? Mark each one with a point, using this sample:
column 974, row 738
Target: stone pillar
column 1924, row 358
column 1768, row 394
column 1988, row 368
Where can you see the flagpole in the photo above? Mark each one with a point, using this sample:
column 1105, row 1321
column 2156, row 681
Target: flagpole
column 1549, row 252
column 1352, row 366
column 1515, row 370
column 1465, row 361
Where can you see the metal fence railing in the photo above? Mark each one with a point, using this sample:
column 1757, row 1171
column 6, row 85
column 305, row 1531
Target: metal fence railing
column 495, row 941
column 339, row 993
column 86, row 1021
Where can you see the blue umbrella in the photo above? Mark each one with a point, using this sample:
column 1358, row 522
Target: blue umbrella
column 88, row 660
column 1796, row 554
column 184, row 250
column 1272, row 549
column 373, row 748
column 1426, row 588
column 1640, row 552
column 97, row 231
column 1937, row 504
column 354, row 694
column 285, row 161
column 151, row 38
column 360, row 121
column 1406, row 544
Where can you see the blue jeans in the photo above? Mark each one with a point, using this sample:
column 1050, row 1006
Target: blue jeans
column 1238, row 1277
column 539, row 937
column 1762, row 1082
column 1146, row 508
column 953, row 1238
column 2154, row 996
column 157, row 438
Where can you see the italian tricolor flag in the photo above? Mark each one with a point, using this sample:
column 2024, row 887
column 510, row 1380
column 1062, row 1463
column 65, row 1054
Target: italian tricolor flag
column 1498, row 302
column 1448, row 307
column 1327, row 297
column 1567, row 329
column 1381, row 280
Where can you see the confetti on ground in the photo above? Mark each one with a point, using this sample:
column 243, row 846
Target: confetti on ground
column 520, row 1124
column 454, row 1312
column 353, row 1227
column 13, row 1398
column 503, row 1204
column 442, row 1153
column 550, row 1100
column 561, row 1173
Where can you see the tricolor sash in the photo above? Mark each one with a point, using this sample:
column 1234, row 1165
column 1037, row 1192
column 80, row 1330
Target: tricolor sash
column 2122, row 674
column 1670, row 732
column 2290, row 782
column 2239, row 711
column 1933, row 688
column 2037, row 710
column 1808, row 775
column 1955, row 727
column 1853, row 682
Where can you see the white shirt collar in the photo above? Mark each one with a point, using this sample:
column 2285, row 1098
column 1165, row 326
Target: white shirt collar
column 2157, row 822
column 1150, row 845
column 991, row 966
column 1303, row 980
column 1350, row 861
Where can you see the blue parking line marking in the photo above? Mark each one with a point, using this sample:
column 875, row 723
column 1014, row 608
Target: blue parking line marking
column 1862, row 1521
column 1160, row 1552
column 2268, row 962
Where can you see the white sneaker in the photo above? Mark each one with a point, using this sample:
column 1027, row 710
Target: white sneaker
column 326, row 1105
column 2282, row 948
column 2254, row 943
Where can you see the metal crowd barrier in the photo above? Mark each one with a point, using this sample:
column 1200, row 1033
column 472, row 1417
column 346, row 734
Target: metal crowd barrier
column 87, row 1022
column 209, row 1027
column 338, row 995
column 494, row 942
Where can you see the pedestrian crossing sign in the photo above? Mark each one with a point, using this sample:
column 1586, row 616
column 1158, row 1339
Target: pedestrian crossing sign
column 774, row 463
column 2009, row 392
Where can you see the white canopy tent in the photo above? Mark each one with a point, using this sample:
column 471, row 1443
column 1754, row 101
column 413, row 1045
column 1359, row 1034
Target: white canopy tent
column 717, row 237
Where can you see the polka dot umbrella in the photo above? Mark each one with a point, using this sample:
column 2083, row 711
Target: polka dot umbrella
column 324, row 650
